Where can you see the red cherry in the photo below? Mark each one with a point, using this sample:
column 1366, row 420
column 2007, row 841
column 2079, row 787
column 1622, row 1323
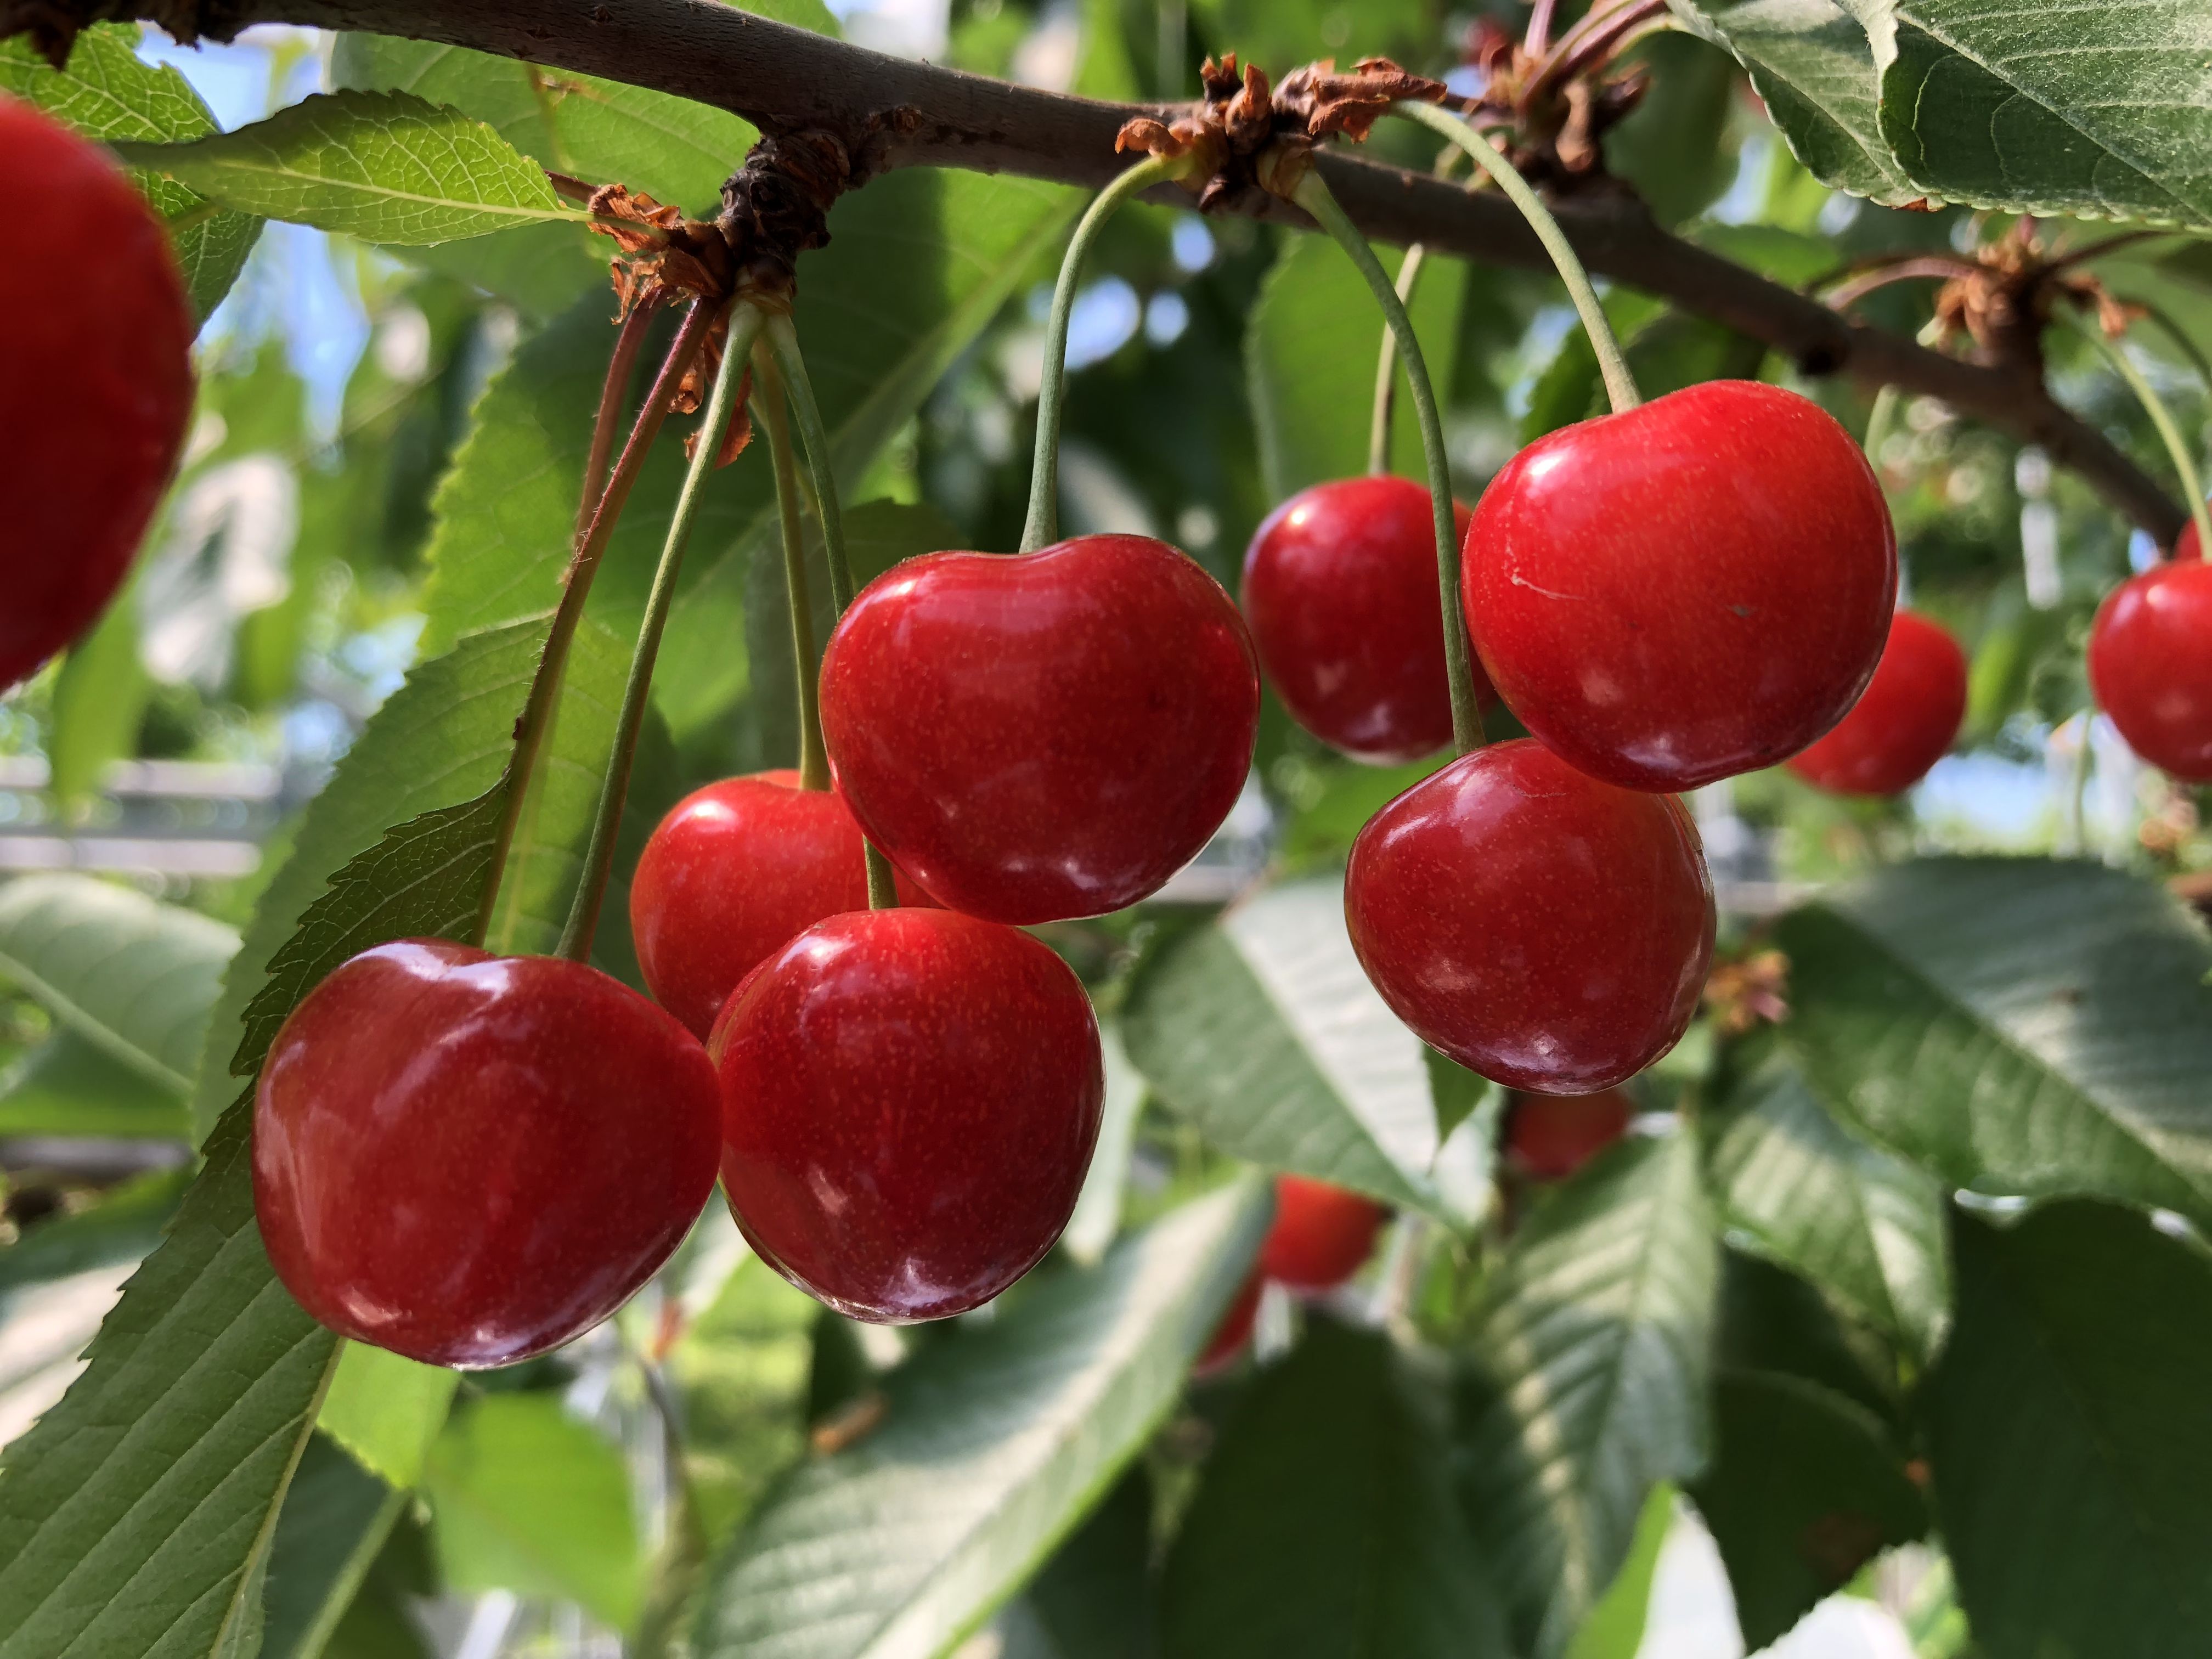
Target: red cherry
column 95, row 385
column 1549, row 1137
column 909, row 1101
column 2150, row 665
column 2185, row 545
column 1044, row 736
column 734, row 871
column 469, row 1159
column 1321, row 1234
column 1546, row 930
column 1699, row 588
column 1340, row 592
column 1234, row 1329
column 1903, row 723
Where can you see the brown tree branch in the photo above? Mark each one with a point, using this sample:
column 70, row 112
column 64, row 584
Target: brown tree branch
column 893, row 113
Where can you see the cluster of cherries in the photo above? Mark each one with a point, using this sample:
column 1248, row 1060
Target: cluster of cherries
column 470, row 1158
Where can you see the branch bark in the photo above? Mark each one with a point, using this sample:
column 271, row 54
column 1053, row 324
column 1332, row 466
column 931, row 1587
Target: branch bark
column 894, row 113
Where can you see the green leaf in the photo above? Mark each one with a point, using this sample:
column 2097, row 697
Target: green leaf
column 1263, row 1030
column 69, row 1086
column 1813, row 63
column 2071, row 1449
column 107, row 92
column 442, row 740
column 129, row 975
column 526, row 1498
column 1671, row 147
column 1860, row 1223
column 2017, row 1025
column 1586, row 1385
column 387, row 1410
column 2101, row 114
column 136, row 1516
column 100, row 701
column 1614, row 1629
column 335, row 1519
column 1806, row 1487
column 1095, row 1598
column 124, row 1226
column 384, row 167
column 1772, row 1321
column 1309, row 359
column 1325, row 1521
column 995, row 1443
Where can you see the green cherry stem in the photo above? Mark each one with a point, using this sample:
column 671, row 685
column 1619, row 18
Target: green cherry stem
column 1619, row 384
column 783, row 340
column 2169, row 431
column 1041, row 528
column 1386, row 366
column 1313, row 195
column 614, row 790
column 768, row 405
column 576, row 587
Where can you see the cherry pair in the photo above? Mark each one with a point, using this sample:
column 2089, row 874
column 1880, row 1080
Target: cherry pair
column 1321, row 1236
column 95, row 384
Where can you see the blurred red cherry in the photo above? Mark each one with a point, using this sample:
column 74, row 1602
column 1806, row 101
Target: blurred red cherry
column 2150, row 665
column 1549, row 1137
column 1234, row 1329
column 1041, row 736
column 1699, row 588
column 734, row 871
column 1904, row 723
column 95, row 383
column 470, row 1159
column 1340, row 592
column 1546, row 930
column 910, row 1103
column 1321, row 1235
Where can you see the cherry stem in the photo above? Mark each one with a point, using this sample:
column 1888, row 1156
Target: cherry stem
column 576, row 587
column 620, row 366
column 2169, row 432
column 1041, row 528
column 1313, row 195
column 1619, row 384
column 783, row 339
column 1386, row 362
column 1386, row 367
column 614, row 790
column 768, row 405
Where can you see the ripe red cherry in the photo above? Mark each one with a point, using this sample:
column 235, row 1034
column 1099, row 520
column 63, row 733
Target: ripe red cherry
column 1699, row 588
column 1904, row 721
column 1234, row 1329
column 910, row 1102
column 1044, row 736
column 2150, row 665
column 95, row 385
column 734, row 871
column 1549, row 1137
column 1321, row 1234
column 1340, row 592
column 470, row 1159
column 1547, row 931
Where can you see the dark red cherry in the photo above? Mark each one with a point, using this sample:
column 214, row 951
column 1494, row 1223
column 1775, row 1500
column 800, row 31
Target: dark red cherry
column 734, row 871
column 95, row 383
column 1547, row 931
column 2150, row 665
column 909, row 1101
column 469, row 1159
column 1043, row 736
column 2185, row 545
column 1321, row 1234
column 1549, row 1137
column 1903, row 723
column 1340, row 592
column 1699, row 588
column 1234, row 1329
